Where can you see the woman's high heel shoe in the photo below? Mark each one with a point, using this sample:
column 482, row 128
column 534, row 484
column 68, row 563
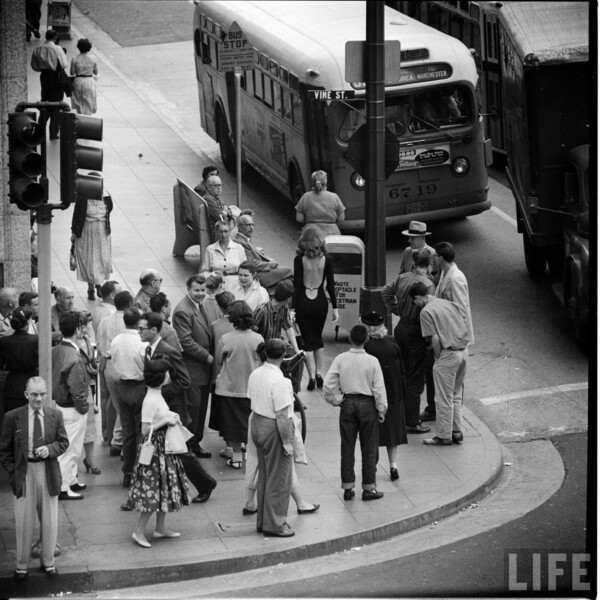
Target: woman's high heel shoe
column 319, row 381
column 89, row 468
column 311, row 385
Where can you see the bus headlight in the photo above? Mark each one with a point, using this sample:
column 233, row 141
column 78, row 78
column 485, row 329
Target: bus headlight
column 460, row 166
column 358, row 181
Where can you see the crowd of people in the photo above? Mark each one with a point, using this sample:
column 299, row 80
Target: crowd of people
column 159, row 369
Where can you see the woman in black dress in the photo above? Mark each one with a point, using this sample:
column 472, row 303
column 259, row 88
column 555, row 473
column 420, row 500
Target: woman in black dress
column 392, row 432
column 313, row 272
column 19, row 356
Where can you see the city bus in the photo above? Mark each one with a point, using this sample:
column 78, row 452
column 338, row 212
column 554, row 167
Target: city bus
column 476, row 25
column 298, row 113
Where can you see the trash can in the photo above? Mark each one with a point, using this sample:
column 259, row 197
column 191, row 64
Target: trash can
column 59, row 17
column 348, row 256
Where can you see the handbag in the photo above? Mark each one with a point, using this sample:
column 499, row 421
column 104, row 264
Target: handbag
column 147, row 449
column 176, row 438
column 72, row 261
column 66, row 82
column 299, row 338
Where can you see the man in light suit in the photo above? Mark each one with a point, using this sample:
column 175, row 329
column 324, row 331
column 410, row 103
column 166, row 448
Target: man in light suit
column 174, row 393
column 29, row 453
column 195, row 335
column 268, row 271
column 453, row 283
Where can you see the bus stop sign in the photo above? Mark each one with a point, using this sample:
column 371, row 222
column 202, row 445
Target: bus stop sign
column 357, row 151
column 237, row 51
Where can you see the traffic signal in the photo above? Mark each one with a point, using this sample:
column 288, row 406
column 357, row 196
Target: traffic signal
column 25, row 163
column 74, row 155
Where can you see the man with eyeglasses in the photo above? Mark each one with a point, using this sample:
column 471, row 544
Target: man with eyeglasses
column 32, row 439
column 150, row 282
column 217, row 211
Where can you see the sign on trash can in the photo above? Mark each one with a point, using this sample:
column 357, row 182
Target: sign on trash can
column 348, row 255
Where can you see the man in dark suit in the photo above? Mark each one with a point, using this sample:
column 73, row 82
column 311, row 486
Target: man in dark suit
column 32, row 439
column 268, row 271
column 195, row 335
column 174, row 394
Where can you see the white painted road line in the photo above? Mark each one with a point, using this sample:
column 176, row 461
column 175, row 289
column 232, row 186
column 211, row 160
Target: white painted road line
column 547, row 391
column 504, row 216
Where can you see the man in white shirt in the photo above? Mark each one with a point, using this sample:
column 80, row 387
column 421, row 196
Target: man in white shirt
column 357, row 375
column 108, row 329
column 272, row 400
column 127, row 355
column 45, row 60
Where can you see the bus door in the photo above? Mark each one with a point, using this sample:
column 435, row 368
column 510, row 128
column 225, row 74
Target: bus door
column 316, row 134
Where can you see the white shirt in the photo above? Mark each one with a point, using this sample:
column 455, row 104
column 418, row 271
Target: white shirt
column 269, row 391
column 215, row 259
column 254, row 296
column 127, row 351
column 107, row 330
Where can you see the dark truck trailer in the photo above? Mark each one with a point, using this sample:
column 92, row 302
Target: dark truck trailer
column 546, row 91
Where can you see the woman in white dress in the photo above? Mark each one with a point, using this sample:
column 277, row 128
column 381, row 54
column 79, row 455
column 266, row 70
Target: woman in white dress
column 85, row 71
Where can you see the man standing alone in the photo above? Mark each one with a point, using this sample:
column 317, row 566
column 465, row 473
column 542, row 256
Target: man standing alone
column 32, row 439
column 357, row 375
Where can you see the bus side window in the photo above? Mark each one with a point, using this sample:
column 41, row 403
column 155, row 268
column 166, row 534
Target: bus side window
column 205, row 49
column 213, row 51
column 249, row 79
column 277, row 98
column 258, row 84
column 297, row 111
column 286, row 104
column 268, row 90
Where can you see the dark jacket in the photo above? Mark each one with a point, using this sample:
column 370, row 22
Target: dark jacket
column 174, row 391
column 14, row 445
column 19, row 356
column 80, row 211
column 70, row 379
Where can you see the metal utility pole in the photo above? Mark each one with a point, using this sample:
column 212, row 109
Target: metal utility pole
column 375, row 265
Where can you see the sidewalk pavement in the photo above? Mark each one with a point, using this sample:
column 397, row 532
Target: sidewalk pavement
column 143, row 158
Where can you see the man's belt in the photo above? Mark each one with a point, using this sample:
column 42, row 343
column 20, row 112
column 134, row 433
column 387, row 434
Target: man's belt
column 358, row 397
column 36, row 459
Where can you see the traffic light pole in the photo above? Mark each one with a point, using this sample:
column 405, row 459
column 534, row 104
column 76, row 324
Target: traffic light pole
column 44, row 221
column 375, row 265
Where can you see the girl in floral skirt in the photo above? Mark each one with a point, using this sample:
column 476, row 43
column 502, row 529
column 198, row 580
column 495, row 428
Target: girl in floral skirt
column 159, row 487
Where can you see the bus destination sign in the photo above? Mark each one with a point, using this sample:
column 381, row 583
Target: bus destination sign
column 418, row 74
column 331, row 94
column 237, row 51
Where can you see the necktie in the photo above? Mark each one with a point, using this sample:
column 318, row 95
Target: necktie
column 148, row 353
column 37, row 431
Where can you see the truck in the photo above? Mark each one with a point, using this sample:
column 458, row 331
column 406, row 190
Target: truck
column 546, row 91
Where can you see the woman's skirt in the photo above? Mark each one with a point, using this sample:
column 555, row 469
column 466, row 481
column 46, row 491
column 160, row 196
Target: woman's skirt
column 83, row 97
column 93, row 254
column 161, row 485
column 229, row 416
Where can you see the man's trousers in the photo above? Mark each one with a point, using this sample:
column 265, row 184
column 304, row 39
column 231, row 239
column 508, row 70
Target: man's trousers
column 449, row 373
column 75, row 424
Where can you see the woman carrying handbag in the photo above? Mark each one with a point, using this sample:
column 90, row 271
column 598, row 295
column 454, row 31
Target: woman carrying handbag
column 160, row 486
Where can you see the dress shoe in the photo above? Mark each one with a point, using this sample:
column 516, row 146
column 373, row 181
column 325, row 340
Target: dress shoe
column 50, row 571
column 427, row 416
column 371, row 494
column 126, row 481
column 202, row 453
column 280, row 534
column 78, row 487
column 394, row 474
column 307, row 511
column 457, row 437
column 234, row 464
column 348, row 494
column 202, row 497
column 125, row 507
column 114, row 451
column 140, row 542
column 249, row 511
column 311, row 385
column 20, row 575
column 69, row 495
column 319, row 381
column 437, row 441
column 418, row 428
column 170, row 535
column 259, row 530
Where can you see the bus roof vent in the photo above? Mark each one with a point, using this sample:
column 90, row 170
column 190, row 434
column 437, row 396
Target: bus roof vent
column 416, row 54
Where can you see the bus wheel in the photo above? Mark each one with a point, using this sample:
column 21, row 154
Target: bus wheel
column 297, row 189
column 225, row 144
column 535, row 257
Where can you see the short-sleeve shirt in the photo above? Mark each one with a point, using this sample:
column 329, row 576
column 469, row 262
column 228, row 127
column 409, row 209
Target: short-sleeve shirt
column 324, row 207
column 269, row 391
column 446, row 320
column 154, row 407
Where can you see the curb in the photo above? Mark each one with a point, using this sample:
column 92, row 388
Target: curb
column 80, row 579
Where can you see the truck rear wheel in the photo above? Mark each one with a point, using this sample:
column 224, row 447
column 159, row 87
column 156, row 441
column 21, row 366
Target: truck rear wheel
column 535, row 257
column 297, row 189
column 556, row 261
